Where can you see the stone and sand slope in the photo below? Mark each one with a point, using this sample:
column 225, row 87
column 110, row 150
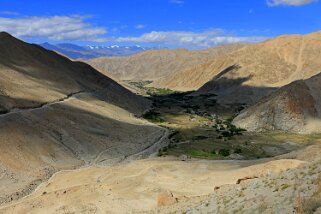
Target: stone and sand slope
column 293, row 108
column 290, row 189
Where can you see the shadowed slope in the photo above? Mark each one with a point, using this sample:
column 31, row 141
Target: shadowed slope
column 83, row 130
column 30, row 72
column 58, row 114
column 295, row 108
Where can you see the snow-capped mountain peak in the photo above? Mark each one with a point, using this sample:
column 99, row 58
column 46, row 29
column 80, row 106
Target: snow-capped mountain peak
column 94, row 51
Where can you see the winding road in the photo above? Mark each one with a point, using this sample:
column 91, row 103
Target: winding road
column 43, row 105
column 152, row 148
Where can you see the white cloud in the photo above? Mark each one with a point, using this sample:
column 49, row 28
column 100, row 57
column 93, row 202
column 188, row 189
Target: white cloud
column 189, row 39
column 8, row 13
column 180, row 2
column 140, row 26
column 274, row 3
column 114, row 30
column 52, row 28
column 75, row 28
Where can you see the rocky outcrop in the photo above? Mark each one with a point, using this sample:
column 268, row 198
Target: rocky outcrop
column 166, row 198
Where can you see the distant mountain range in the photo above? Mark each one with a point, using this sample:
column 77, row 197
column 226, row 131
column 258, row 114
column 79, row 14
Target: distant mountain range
column 158, row 64
column 89, row 52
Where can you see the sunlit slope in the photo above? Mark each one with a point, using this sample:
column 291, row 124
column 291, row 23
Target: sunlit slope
column 253, row 71
column 156, row 64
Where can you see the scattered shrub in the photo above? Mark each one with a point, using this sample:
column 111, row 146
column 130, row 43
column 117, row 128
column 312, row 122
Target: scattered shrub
column 238, row 151
column 153, row 117
column 224, row 152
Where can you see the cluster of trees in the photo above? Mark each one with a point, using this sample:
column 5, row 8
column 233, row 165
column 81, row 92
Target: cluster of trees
column 226, row 129
column 153, row 116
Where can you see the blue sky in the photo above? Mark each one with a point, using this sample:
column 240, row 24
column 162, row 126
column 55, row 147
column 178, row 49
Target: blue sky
column 170, row 23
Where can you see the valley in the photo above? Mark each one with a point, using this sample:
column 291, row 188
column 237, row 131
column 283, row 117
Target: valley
column 202, row 128
column 74, row 140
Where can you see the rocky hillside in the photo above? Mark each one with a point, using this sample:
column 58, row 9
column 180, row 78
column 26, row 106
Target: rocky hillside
column 295, row 190
column 155, row 64
column 290, row 183
column 58, row 114
column 293, row 108
column 253, row 71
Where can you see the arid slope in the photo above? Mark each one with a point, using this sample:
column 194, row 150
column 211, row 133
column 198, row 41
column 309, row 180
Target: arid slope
column 295, row 190
column 59, row 114
column 253, row 71
column 137, row 186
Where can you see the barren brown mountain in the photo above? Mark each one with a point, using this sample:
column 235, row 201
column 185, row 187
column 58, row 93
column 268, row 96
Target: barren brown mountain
column 155, row 64
column 58, row 114
column 295, row 107
column 253, row 71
